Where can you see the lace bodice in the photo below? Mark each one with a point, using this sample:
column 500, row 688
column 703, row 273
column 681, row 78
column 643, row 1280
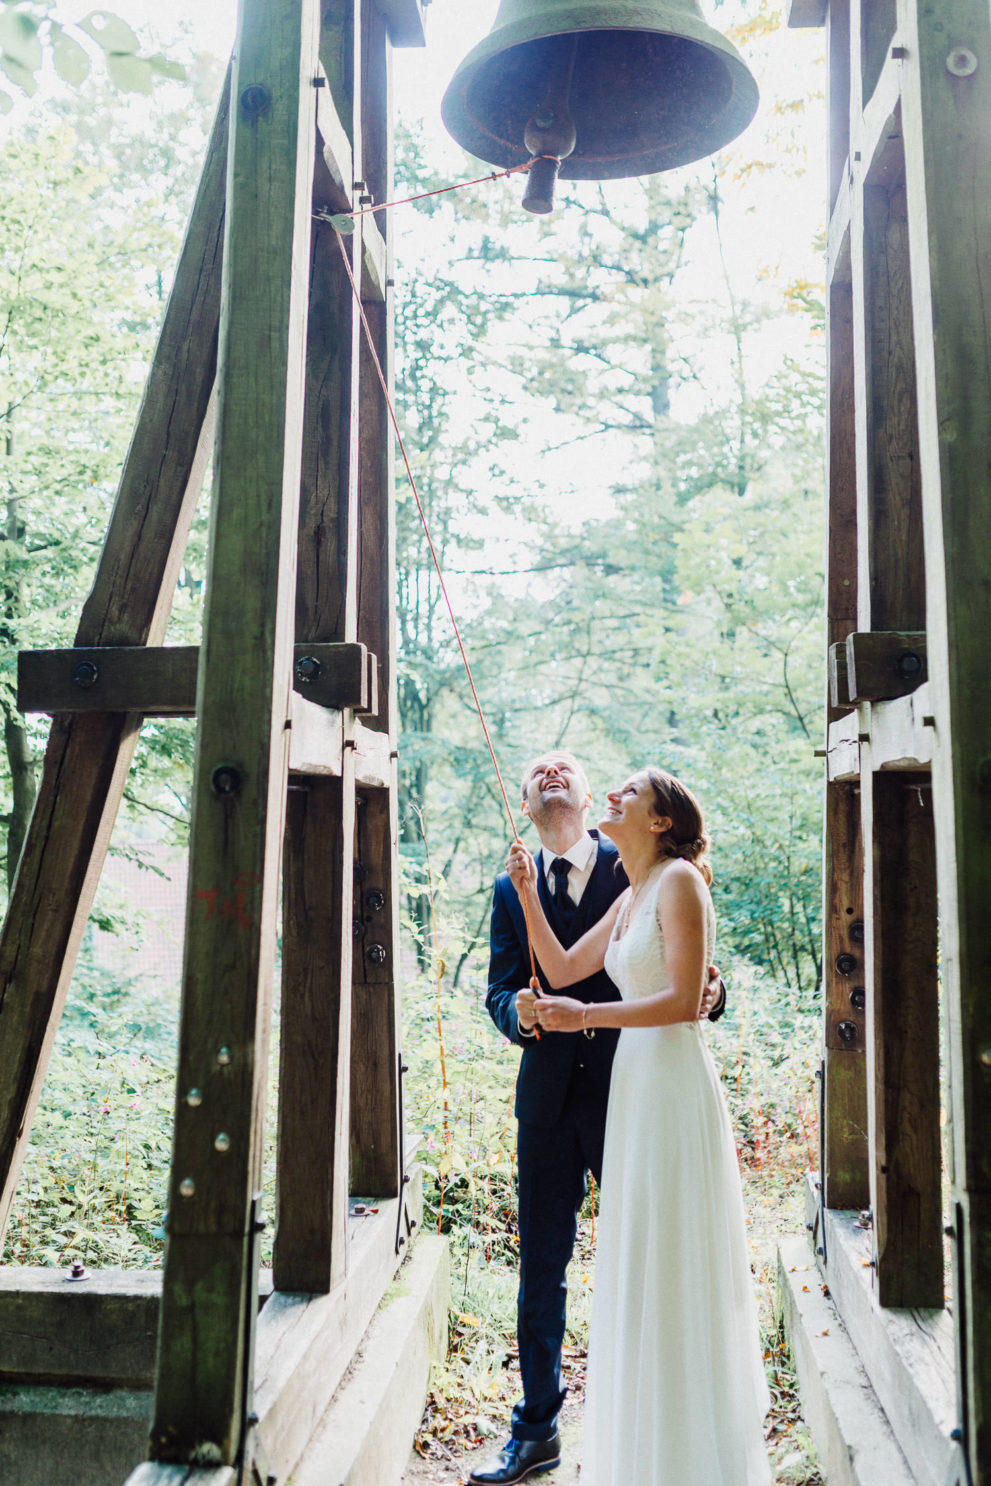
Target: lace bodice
column 635, row 959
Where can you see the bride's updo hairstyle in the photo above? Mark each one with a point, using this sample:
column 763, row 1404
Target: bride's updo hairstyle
column 687, row 837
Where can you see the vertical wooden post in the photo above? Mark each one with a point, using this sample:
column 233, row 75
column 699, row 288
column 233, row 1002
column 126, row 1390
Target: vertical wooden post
column 210, row 1280
column 843, row 1161
column 375, row 1133
column 901, row 878
column 317, row 938
column 946, row 115
column 89, row 754
column 901, row 988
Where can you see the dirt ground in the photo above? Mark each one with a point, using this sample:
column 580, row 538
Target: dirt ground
column 443, row 1468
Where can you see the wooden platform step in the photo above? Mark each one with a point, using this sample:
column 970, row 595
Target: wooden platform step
column 364, row 1437
column 855, row 1441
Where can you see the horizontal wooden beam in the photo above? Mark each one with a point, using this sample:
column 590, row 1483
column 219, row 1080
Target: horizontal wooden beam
column 406, row 21
column 373, row 757
column 882, row 664
column 901, row 732
column 160, row 681
column 809, row 14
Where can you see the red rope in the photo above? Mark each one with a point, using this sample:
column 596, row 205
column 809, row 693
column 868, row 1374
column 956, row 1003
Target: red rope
column 497, row 175
column 534, row 982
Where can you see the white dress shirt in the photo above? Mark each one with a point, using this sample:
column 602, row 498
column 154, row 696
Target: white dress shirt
column 582, row 858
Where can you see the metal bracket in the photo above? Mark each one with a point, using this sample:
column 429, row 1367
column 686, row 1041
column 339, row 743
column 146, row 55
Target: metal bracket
column 402, row 1211
column 821, row 1184
column 254, row 1469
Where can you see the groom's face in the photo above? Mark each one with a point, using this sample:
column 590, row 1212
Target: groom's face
column 555, row 783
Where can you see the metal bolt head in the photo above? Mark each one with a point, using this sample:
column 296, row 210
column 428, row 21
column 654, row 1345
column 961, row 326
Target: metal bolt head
column 846, row 964
column 255, row 99
column 86, row 674
column 194, row 1098
column 377, row 953
column 985, row 1056
column 858, row 998
column 308, row 669
column 357, row 928
column 961, row 62
column 224, row 1057
column 847, row 1031
column 375, row 900
column 857, row 931
column 222, row 1143
column 187, row 1187
column 78, row 1271
column 909, row 664
column 225, row 780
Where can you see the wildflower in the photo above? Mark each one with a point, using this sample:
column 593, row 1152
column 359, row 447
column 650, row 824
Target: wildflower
column 104, row 1108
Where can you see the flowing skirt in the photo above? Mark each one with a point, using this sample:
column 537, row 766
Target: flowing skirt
column 676, row 1387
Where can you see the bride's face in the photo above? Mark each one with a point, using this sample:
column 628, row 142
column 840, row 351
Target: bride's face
column 630, row 811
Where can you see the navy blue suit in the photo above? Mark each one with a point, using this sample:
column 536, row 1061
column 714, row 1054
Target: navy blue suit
column 561, row 1097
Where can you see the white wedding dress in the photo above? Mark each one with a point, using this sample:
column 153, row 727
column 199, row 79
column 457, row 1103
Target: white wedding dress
column 676, row 1388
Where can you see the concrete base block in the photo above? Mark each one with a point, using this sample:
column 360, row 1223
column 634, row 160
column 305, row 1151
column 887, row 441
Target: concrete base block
column 71, row 1436
column 855, row 1442
column 364, row 1437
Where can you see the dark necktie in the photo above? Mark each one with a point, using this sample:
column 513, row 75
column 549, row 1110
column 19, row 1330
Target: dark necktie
column 564, row 907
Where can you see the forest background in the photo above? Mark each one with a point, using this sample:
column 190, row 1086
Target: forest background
column 615, row 416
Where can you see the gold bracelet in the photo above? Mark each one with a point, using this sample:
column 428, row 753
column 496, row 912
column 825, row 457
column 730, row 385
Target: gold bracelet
column 589, row 1031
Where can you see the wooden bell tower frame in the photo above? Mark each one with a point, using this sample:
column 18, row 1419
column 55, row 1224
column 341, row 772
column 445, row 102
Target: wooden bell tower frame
column 908, row 815
column 261, row 359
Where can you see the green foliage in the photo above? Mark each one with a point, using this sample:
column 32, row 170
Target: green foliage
column 94, row 1181
column 30, row 32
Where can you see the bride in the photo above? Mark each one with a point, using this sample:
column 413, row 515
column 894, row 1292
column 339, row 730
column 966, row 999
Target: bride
column 676, row 1390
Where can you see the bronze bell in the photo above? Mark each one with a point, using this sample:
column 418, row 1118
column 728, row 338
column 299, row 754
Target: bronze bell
column 594, row 91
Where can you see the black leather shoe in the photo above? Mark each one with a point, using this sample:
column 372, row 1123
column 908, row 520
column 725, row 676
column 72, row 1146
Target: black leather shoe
column 519, row 1459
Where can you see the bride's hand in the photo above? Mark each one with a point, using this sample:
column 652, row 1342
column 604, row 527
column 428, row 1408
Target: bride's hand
column 521, row 867
column 559, row 1013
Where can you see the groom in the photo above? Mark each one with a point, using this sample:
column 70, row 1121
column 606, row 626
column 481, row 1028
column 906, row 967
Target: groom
column 561, row 1092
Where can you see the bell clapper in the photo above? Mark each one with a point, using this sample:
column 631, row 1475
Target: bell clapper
column 550, row 133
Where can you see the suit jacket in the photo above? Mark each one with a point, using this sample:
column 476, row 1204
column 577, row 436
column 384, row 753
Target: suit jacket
column 548, row 1066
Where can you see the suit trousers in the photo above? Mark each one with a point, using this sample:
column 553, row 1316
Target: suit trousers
column 552, row 1160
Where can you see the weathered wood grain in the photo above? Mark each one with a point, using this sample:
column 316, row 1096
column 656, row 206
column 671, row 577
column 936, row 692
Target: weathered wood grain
column 310, row 1253
column 87, row 758
column 907, row 1353
column 882, row 664
column 844, row 1136
column 903, row 1035
column 810, row 13
column 161, row 681
column 318, row 874
column 205, row 1340
column 892, row 567
column 838, row 115
column 877, row 29
column 946, row 113
column 375, row 1133
column 839, row 690
column 406, row 20
column 307, row 1342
